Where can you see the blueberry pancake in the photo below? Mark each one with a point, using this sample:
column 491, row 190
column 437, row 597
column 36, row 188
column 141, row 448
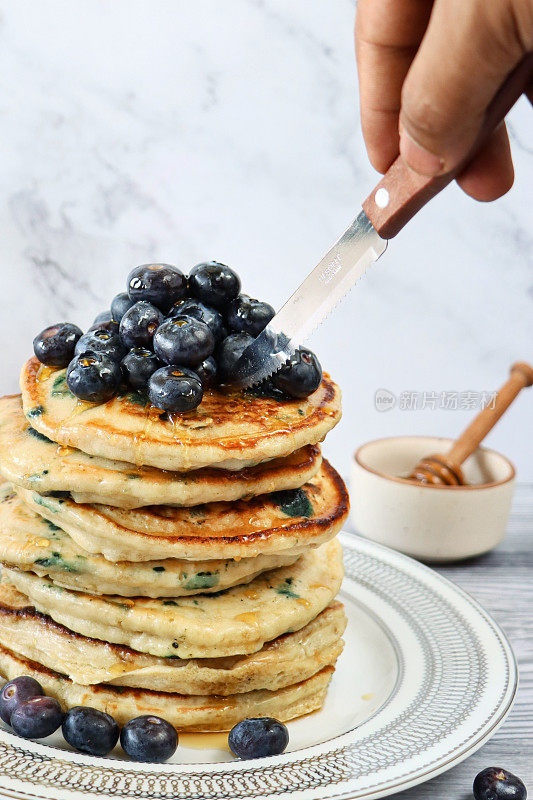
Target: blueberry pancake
column 284, row 522
column 227, row 430
column 234, row 622
column 31, row 461
column 289, row 659
column 29, row 542
column 185, row 712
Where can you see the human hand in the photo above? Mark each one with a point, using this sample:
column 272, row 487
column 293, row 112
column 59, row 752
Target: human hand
column 427, row 72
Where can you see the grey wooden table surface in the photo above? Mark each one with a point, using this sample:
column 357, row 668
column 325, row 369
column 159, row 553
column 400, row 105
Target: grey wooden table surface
column 502, row 581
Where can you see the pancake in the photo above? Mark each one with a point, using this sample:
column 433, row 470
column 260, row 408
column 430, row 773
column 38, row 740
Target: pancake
column 31, row 543
column 288, row 659
column 237, row 621
column 285, row 522
column 229, row 431
column 31, row 461
column 185, row 712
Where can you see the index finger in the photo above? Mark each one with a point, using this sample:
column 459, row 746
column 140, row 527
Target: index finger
column 387, row 36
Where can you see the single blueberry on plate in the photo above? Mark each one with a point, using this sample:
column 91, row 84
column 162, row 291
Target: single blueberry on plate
column 149, row 739
column 139, row 324
column 175, row 388
column 195, row 308
column 138, row 366
column 258, row 737
column 90, row 730
column 207, row 372
column 495, row 783
column 248, row 315
column 301, row 376
column 159, row 284
column 37, row 718
column 94, row 377
column 120, row 304
column 18, row 691
column 55, row 345
column 230, row 351
column 214, row 283
column 100, row 341
column 183, row 340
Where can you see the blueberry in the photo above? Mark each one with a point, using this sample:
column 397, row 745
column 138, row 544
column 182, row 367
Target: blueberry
column 100, row 341
column 55, row 345
column 257, row 738
column 247, row 315
column 149, row 739
column 159, row 284
column 214, row 283
column 183, row 340
column 90, row 730
column 138, row 365
column 139, row 323
column 495, row 783
column 15, row 692
column 195, row 308
column 37, row 718
column 108, row 325
column 103, row 316
column 301, row 376
column 175, row 388
column 230, row 351
column 207, row 372
column 119, row 305
column 94, row 377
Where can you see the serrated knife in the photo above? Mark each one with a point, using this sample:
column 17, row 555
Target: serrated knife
column 399, row 195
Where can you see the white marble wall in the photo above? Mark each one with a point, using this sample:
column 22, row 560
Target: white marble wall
column 137, row 130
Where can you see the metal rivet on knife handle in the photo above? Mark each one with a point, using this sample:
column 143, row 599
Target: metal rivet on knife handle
column 408, row 191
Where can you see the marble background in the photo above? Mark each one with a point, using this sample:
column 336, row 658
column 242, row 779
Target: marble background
column 180, row 132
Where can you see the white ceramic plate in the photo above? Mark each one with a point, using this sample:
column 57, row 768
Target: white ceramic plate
column 425, row 679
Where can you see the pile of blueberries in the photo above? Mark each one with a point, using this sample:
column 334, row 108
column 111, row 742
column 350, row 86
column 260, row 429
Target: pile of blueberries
column 169, row 337
column 33, row 715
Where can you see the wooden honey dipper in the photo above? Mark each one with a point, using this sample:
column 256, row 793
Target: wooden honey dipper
column 445, row 470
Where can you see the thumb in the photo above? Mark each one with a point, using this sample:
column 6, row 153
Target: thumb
column 469, row 48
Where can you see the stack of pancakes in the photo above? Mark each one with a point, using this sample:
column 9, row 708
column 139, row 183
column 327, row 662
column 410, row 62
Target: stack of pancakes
column 182, row 565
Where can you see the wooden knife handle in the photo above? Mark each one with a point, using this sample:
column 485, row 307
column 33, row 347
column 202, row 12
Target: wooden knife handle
column 402, row 192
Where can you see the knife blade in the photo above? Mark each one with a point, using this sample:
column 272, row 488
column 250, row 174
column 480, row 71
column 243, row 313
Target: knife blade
column 399, row 195
column 324, row 287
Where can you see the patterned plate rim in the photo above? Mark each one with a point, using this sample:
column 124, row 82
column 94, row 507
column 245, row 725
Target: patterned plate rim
column 454, row 657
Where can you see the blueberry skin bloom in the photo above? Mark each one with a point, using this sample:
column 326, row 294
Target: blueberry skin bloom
column 258, row 737
column 55, row 345
column 195, row 308
column 183, row 340
column 495, row 783
column 248, row 315
column 16, row 692
column 301, row 376
column 100, row 341
column 159, row 284
column 149, row 739
column 214, row 284
column 138, row 366
column 139, row 324
column 90, row 730
column 94, row 377
column 175, row 388
column 121, row 303
column 37, row 718
column 230, row 351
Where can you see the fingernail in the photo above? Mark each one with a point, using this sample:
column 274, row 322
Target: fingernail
column 418, row 158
